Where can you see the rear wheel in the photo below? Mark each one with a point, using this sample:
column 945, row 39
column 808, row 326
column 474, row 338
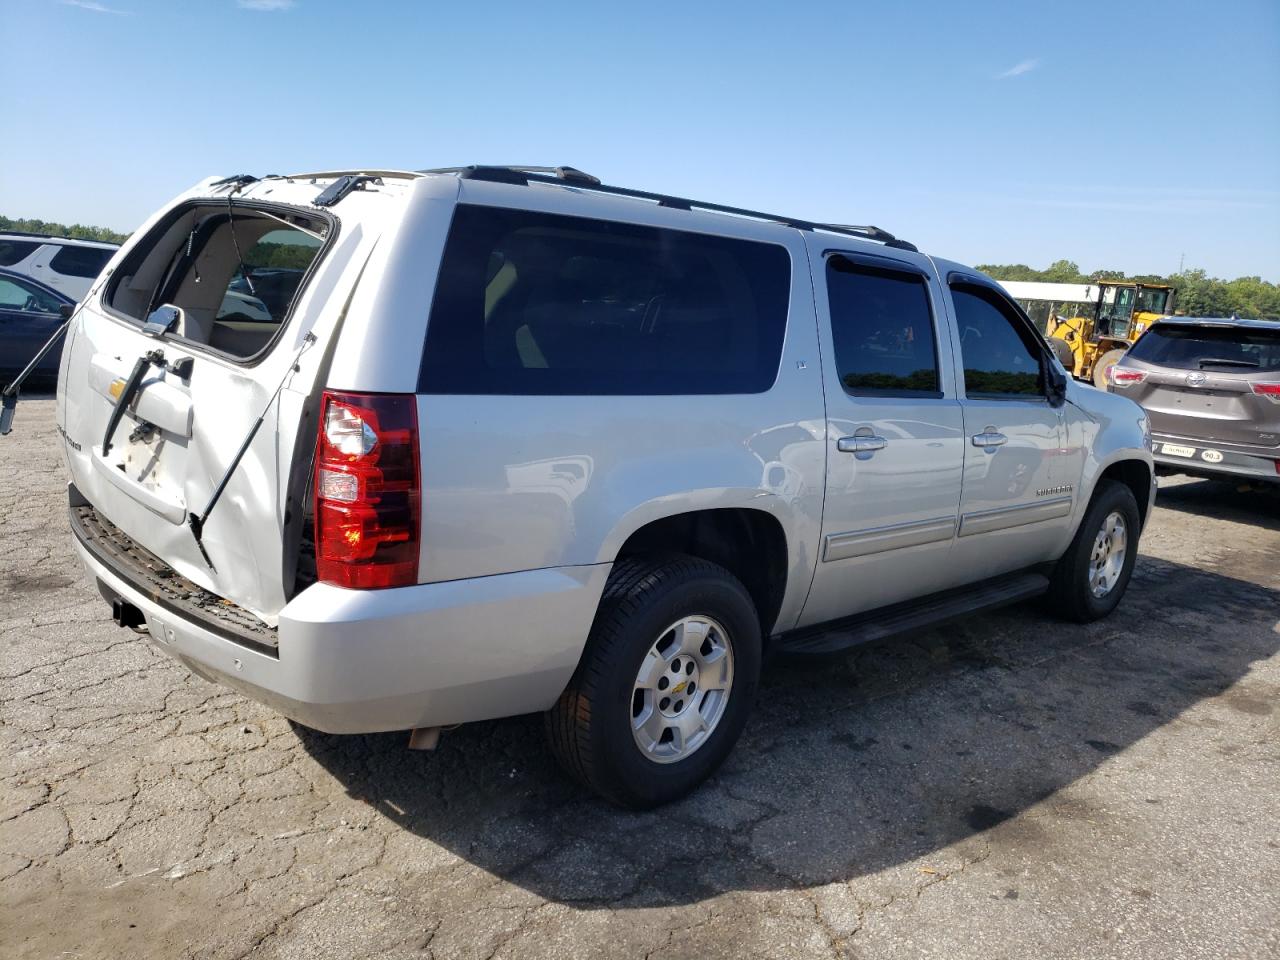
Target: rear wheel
column 1102, row 367
column 665, row 685
column 1093, row 574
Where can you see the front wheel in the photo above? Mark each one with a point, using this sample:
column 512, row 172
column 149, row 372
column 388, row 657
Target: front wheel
column 1093, row 574
column 665, row 685
column 1102, row 368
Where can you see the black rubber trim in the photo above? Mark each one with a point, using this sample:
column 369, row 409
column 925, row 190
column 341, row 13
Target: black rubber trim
column 160, row 584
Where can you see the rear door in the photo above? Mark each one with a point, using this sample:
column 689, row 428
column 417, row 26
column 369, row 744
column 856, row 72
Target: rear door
column 1018, row 496
column 1199, row 382
column 213, row 374
column 894, row 432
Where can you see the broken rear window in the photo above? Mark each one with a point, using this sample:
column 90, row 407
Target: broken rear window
column 235, row 278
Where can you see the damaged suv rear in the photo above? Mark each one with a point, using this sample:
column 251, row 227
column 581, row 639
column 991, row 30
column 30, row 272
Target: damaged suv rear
column 188, row 400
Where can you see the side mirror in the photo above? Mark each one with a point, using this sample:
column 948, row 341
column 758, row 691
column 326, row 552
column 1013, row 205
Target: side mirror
column 1056, row 382
column 66, row 310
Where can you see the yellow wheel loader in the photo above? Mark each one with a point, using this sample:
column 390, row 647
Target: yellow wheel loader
column 1120, row 315
column 1101, row 320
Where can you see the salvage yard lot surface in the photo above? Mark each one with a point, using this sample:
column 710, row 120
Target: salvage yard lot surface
column 1007, row 787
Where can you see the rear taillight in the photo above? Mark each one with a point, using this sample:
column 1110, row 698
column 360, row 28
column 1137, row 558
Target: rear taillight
column 1125, row 376
column 1269, row 390
column 367, row 501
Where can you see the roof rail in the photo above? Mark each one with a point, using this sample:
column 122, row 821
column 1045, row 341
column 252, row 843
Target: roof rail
column 571, row 176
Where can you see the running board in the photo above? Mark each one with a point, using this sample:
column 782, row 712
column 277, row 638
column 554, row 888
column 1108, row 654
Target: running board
column 913, row 615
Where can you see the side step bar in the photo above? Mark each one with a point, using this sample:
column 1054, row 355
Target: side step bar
column 913, row 615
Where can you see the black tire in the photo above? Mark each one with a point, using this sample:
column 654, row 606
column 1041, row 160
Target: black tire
column 589, row 728
column 1069, row 594
column 1066, row 356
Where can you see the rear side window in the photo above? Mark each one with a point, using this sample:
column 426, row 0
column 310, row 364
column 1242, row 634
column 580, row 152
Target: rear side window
column 80, row 261
column 882, row 328
column 535, row 303
column 15, row 251
column 1000, row 352
column 1210, row 348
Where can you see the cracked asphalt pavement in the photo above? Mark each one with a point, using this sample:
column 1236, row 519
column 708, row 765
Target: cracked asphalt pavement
column 1008, row 787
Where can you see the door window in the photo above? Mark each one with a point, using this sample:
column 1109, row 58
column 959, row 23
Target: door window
column 882, row 329
column 999, row 350
column 16, row 295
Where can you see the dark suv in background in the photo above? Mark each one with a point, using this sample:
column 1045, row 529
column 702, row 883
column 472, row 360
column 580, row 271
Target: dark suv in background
column 1212, row 391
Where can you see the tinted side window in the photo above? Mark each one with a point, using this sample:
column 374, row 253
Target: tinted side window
column 15, row 251
column 535, row 303
column 1000, row 356
column 882, row 327
column 80, row 261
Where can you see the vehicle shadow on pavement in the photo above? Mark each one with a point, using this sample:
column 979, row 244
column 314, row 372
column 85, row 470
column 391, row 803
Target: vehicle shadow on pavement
column 899, row 754
column 1222, row 501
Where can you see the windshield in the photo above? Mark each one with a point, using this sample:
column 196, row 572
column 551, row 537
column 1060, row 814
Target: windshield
column 1153, row 300
column 1203, row 348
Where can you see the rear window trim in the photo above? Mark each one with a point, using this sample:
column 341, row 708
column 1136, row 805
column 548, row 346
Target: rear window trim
column 158, row 229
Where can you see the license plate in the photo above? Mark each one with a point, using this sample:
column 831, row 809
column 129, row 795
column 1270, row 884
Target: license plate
column 1173, row 450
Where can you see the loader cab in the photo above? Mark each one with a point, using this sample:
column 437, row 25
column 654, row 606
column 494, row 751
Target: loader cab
column 1120, row 309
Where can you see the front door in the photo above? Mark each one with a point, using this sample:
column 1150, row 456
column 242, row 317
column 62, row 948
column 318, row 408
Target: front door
column 894, row 433
column 1017, row 499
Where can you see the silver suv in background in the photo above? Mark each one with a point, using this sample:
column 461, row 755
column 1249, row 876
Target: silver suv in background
column 1212, row 390
column 516, row 441
column 67, row 265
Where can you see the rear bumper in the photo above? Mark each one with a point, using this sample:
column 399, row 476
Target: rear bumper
column 362, row 661
column 1255, row 465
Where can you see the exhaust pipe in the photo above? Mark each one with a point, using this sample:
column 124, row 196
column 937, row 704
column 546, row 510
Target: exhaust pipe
column 125, row 614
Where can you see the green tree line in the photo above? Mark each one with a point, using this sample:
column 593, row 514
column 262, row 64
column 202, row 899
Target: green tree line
column 76, row 231
column 1198, row 294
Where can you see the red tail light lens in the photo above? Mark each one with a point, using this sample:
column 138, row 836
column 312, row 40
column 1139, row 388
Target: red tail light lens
column 1125, row 377
column 1269, row 390
column 367, row 499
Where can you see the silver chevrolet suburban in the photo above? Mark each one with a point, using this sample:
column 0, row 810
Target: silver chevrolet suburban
column 509, row 440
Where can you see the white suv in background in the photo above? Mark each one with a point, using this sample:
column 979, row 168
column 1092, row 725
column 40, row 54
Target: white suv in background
column 69, row 266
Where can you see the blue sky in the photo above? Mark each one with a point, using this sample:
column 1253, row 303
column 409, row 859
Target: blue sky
column 1120, row 134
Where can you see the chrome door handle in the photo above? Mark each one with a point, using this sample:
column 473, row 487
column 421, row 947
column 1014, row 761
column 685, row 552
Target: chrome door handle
column 989, row 438
column 861, row 444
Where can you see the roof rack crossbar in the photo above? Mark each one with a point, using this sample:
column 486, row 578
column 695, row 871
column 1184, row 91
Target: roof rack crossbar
column 573, row 177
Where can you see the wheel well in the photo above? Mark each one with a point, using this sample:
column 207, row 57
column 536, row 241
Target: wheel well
column 1134, row 475
column 750, row 544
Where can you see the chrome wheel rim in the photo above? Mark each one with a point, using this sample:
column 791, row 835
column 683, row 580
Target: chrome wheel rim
column 1107, row 560
column 682, row 689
